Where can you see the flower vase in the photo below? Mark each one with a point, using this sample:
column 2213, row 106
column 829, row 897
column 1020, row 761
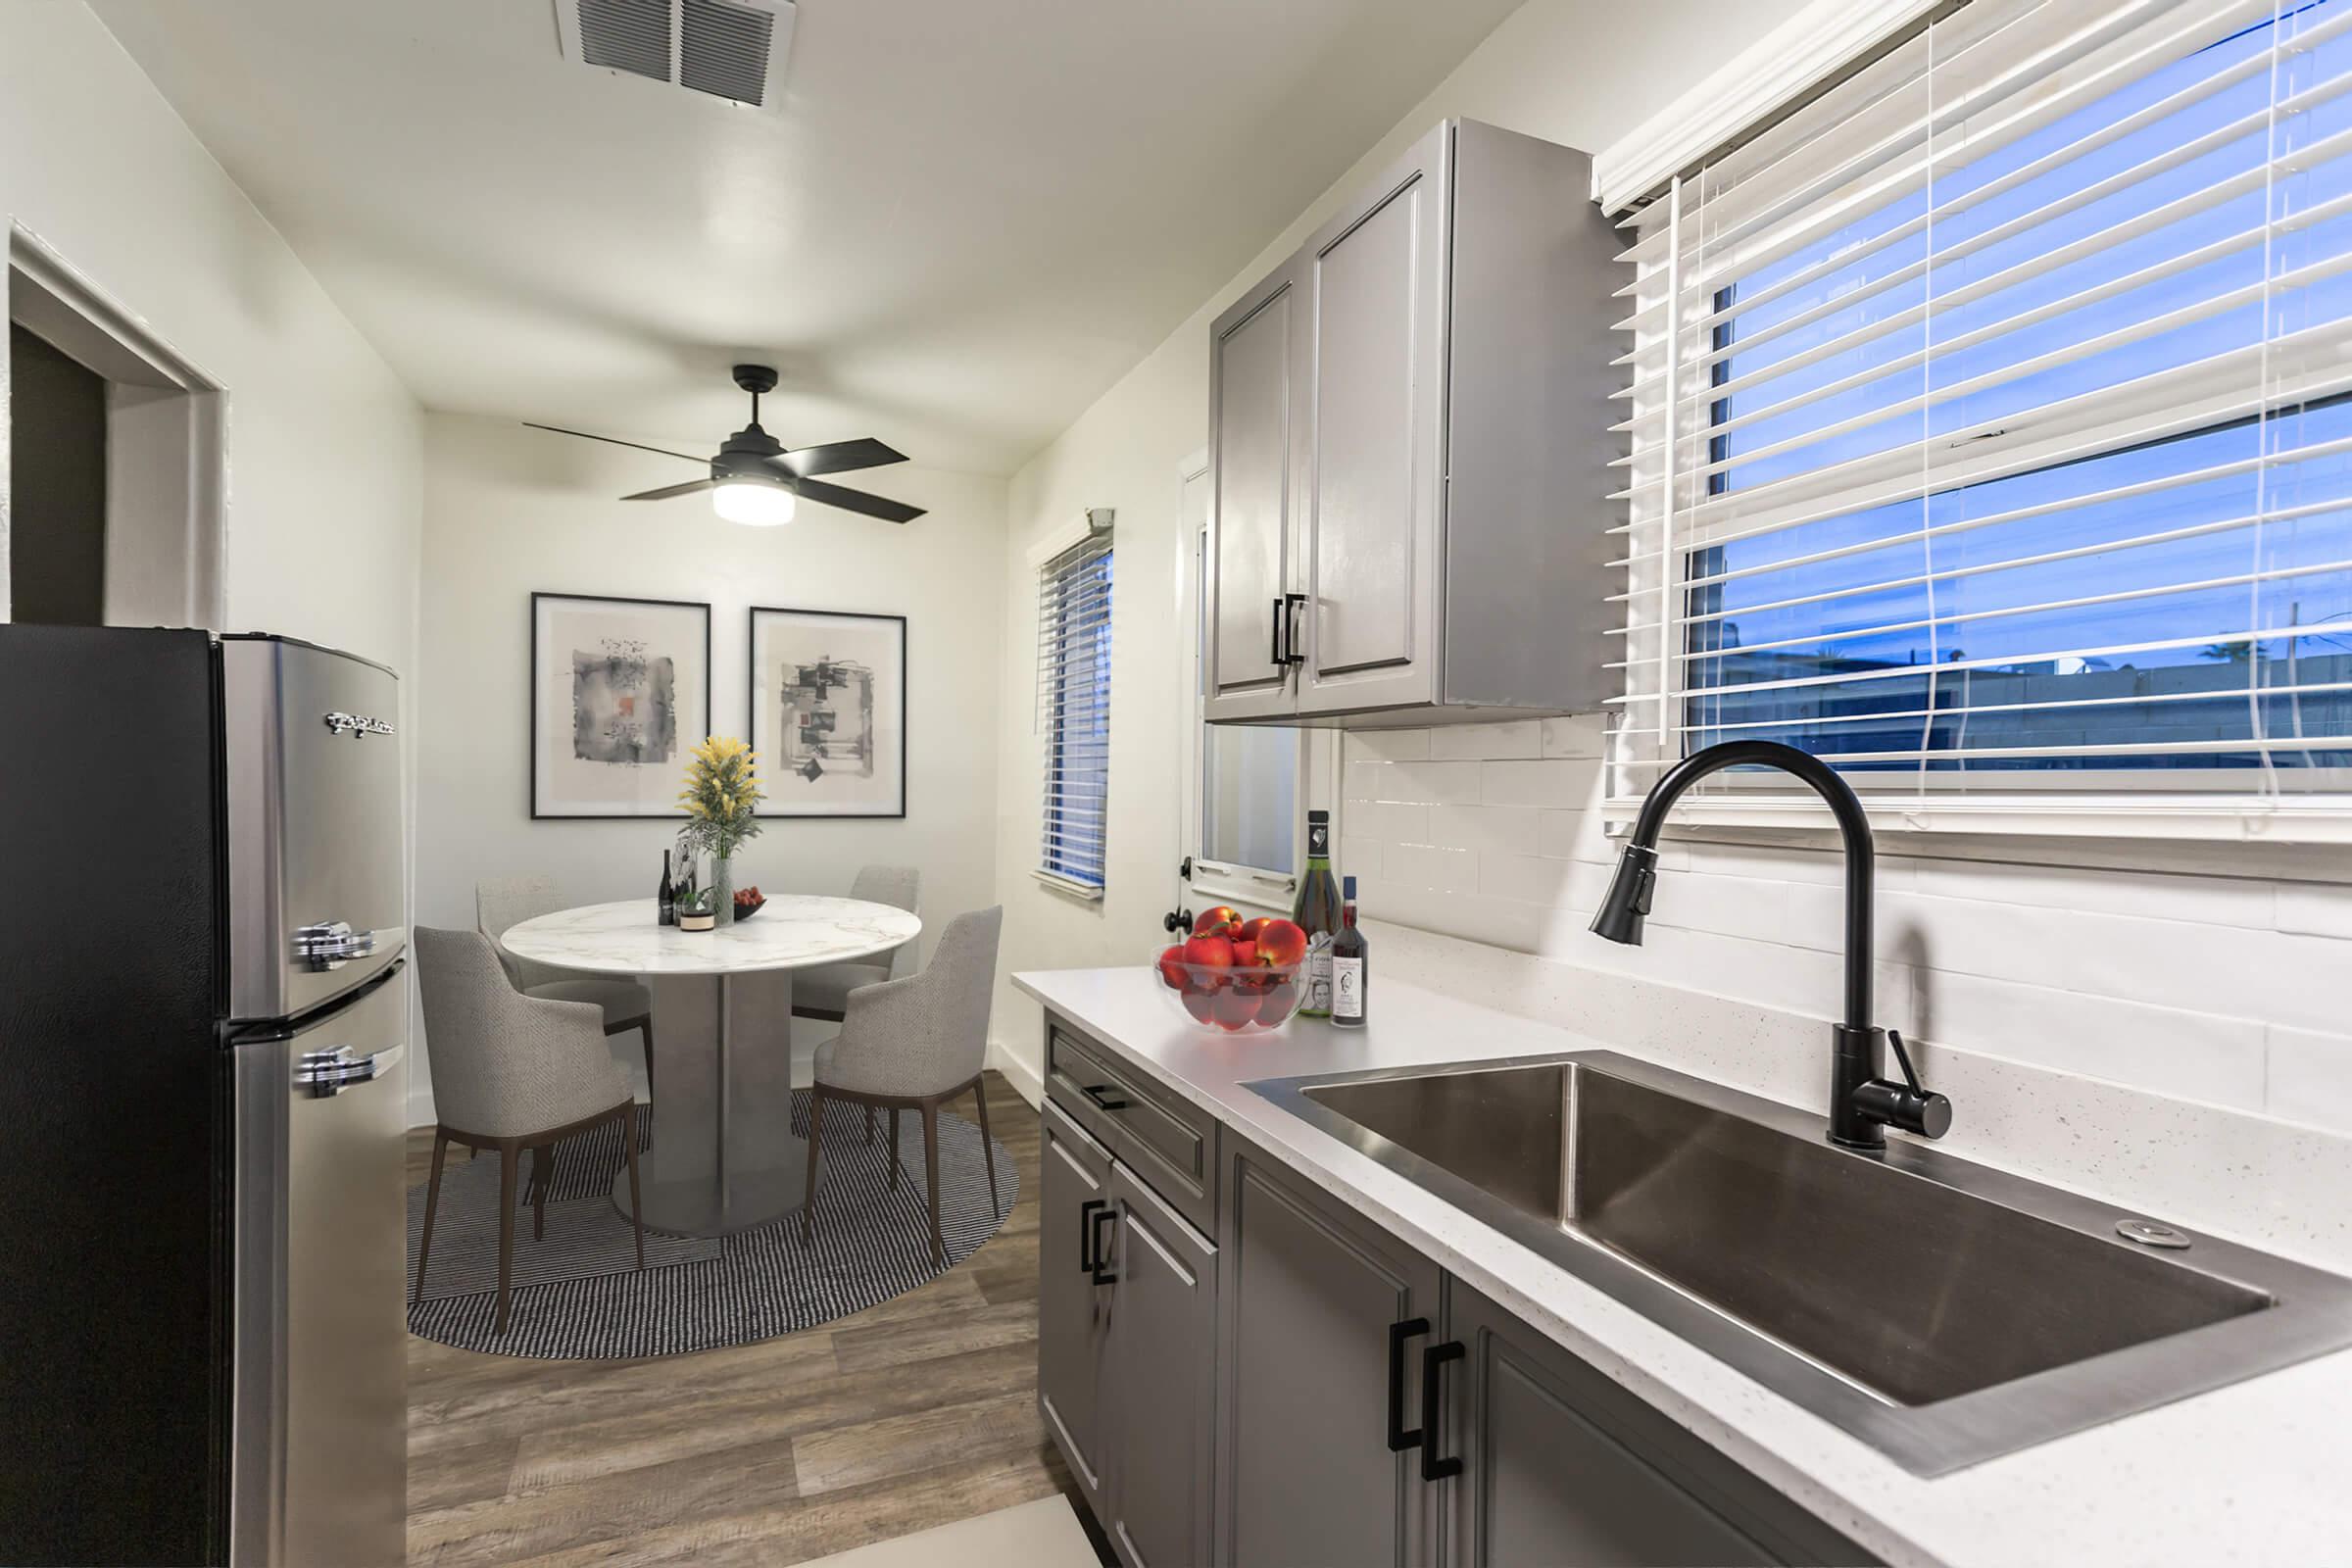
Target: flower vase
column 723, row 888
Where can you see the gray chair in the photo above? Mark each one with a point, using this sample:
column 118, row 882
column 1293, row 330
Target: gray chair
column 908, row 1044
column 503, row 903
column 510, row 1072
column 823, row 991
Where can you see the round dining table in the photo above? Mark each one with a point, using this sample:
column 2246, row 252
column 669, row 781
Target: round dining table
column 725, row 1158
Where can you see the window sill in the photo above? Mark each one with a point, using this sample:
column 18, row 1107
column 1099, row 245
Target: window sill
column 1068, row 887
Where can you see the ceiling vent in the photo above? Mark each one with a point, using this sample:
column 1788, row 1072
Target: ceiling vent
column 731, row 49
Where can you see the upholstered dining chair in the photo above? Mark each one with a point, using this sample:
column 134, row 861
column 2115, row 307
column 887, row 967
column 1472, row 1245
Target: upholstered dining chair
column 908, row 1045
column 822, row 991
column 503, row 903
column 513, row 1071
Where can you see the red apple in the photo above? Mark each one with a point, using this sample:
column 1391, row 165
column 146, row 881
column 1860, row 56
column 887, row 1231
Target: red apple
column 1209, row 952
column 1276, row 1001
column 1234, row 1008
column 1222, row 921
column 1245, row 953
column 1282, row 944
column 1199, row 1004
column 1251, row 930
column 1171, row 967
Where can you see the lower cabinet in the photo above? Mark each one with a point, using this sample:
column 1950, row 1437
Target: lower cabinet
column 1318, row 1457
column 1126, row 1348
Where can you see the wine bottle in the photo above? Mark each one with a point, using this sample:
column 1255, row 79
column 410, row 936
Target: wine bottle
column 1351, row 973
column 1317, row 913
column 667, row 901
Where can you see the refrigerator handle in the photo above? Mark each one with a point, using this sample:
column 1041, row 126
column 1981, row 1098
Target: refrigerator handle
column 324, row 1073
column 331, row 944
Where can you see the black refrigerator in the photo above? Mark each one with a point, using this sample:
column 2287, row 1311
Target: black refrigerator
column 202, row 1025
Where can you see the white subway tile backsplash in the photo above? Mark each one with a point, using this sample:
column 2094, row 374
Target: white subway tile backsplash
column 2309, row 1079
column 1384, row 746
column 2167, row 1050
column 1387, row 821
column 1518, row 738
column 1425, row 866
column 1450, row 782
column 1579, row 735
column 2206, row 900
column 1550, row 782
column 1529, row 878
column 1513, row 829
column 1469, row 916
column 2315, row 909
column 1360, row 857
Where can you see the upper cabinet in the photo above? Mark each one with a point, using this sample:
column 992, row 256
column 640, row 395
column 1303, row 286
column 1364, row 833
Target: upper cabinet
column 1410, row 450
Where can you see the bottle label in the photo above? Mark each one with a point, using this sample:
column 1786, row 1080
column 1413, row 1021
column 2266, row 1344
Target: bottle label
column 1318, row 978
column 1318, row 840
column 1348, row 989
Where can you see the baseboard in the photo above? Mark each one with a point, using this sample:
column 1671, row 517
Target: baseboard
column 1019, row 1071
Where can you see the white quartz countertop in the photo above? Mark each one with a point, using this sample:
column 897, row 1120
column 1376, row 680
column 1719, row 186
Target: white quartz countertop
column 2255, row 1472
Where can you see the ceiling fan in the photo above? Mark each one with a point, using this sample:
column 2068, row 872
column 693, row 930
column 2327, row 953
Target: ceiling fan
column 754, row 480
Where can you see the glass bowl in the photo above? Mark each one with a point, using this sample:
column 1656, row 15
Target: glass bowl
column 1233, row 999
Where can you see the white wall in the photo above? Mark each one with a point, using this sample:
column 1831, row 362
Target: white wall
column 1580, row 71
column 325, row 445
column 509, row 510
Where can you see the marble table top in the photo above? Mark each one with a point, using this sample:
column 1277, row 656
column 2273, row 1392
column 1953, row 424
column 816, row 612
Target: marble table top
column 791, row 931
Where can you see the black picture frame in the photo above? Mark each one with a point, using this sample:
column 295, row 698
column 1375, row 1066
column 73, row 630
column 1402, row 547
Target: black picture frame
column 533, row 734
column 774, row 773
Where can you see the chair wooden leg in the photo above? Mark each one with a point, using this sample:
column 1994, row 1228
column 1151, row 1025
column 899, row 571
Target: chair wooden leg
column 931, row 1173
column 543, row 1177
column 816, row 1124
column 432, row 1201
column 869, row 1126
column 628, row 1142
column 893, row 1148
column 509, row 1153
column 988, row 1146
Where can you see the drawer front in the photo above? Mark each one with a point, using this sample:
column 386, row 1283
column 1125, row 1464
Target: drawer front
column 1170, row 1143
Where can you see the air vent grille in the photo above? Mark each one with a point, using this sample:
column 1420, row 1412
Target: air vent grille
column 723, row 49
column 630, row 35
column 730, row 49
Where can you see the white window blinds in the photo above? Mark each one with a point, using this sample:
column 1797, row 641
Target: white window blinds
column 1073, row 712
column 1989, row 416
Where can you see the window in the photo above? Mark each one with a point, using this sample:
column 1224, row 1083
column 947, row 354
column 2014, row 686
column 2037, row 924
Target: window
column 1073, row 713
column 1990, row 417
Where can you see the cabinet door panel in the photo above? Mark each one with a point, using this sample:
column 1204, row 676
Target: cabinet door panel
column 1307, row 1297
column 1562, row 1465
column 1255, row 398
column 1372, row 502
column 1161, row 1381
column 1072, row 1311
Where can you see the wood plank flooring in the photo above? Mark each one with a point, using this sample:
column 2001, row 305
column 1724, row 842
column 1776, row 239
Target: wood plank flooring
column 914, row 1413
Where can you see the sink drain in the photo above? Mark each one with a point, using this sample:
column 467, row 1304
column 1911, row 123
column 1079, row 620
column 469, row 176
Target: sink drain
column 2147, row 1233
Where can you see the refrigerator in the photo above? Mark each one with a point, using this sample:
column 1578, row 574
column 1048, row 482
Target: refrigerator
column 203, row 1024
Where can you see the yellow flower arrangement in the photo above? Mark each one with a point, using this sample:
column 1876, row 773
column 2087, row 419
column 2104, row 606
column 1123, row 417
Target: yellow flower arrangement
column 722, row 794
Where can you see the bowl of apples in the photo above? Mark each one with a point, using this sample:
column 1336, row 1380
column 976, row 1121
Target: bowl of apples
column 1235, row 974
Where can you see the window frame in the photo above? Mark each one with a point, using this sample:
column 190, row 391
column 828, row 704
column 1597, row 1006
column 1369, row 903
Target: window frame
column 2168, row 806
column 1050, row 723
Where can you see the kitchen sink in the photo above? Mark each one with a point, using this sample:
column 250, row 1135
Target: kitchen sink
column 1940, row 1310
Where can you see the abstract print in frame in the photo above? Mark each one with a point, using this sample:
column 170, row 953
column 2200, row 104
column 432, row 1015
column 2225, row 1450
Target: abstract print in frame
column 621, row 692
column 830, row 712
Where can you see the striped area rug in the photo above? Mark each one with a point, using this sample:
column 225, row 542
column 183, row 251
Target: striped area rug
column 577, row 1293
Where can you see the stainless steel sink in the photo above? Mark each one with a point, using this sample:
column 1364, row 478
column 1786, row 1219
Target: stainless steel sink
column 1941, row 1311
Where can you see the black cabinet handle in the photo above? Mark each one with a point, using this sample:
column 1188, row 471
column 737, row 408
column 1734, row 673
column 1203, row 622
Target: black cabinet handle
column 1433, row 1424
column 1099, row 1270
column 1274, row 656
column 1289, row 630
column 1400, row 1440
column 1086, row 1234
column 1099, row 1094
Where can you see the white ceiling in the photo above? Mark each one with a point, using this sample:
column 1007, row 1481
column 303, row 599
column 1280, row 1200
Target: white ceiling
column 959, row 223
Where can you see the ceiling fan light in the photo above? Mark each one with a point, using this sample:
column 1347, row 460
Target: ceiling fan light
column 753, row 504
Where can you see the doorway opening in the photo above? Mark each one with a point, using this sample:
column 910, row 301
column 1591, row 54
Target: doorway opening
column 111, row 472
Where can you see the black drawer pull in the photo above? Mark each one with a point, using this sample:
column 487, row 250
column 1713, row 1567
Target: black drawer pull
column 1101, row 1095
column 1400, row 1440
column 1086, row 1234
column 1274, row 656
column 1432, row 1425
column 1099, row 1269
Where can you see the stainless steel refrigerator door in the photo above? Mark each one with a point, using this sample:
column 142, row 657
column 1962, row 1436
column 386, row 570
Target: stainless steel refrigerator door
column 316, row 903
column 319, row 1469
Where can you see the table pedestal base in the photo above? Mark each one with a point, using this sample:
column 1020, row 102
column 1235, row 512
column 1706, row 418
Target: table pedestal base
column 701, row 1204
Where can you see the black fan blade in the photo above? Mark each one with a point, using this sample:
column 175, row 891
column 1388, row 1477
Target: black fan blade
column 668, row 490
column 857, row 501
column 612, row 440
column 838, row 458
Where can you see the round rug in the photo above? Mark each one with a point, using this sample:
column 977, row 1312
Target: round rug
column 578, row 1293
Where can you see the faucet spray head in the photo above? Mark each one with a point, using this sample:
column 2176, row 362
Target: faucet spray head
column 1627, row 902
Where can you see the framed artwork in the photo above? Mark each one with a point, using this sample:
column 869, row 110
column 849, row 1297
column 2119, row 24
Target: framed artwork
column 621, row 692
column 830, row 712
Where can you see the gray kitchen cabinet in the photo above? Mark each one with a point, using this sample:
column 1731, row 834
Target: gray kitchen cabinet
column 1160, row 1379
column 1073, row 1318
column 1312, row 1381
column 1561, row 1465
column 1410, row 450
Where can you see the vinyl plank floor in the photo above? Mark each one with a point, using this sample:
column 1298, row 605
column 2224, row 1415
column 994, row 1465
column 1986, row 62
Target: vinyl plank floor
column 916, row 1413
